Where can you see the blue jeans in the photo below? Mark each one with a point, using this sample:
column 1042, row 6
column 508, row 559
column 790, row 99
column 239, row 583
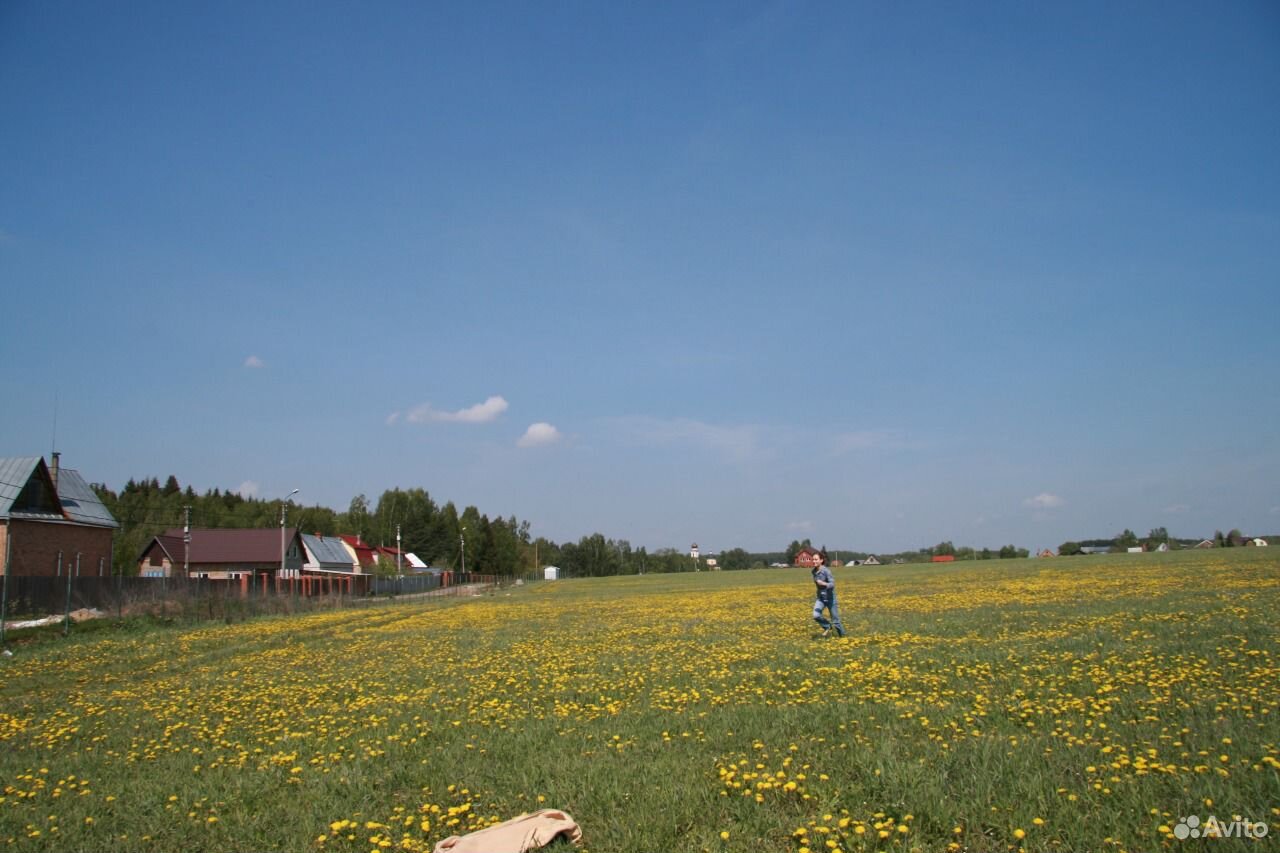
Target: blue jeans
column 828, row 604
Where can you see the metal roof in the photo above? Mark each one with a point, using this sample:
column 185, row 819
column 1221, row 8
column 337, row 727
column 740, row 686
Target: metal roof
column 364, row 552
column 233, row 544
column 75, row 500
column 327, row 552
column 15, row 473
column 79, row 502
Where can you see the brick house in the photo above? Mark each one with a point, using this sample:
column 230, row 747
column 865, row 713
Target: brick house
column 47, row 510
column 807, row 558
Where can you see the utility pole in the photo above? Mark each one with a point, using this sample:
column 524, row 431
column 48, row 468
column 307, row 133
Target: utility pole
column 397, row 549
column 186, row 543
column 284, row 511
column 462, row 537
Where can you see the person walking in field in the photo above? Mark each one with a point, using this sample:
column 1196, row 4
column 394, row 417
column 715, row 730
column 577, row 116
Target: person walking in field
column 826, row 600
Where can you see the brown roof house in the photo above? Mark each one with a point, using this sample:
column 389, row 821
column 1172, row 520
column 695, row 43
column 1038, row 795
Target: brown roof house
column 228, row 553
column 51, row 522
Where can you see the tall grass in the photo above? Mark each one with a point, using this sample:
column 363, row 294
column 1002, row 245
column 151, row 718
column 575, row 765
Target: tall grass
column 1048, row 705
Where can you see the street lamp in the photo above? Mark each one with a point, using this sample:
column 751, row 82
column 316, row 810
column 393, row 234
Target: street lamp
column 284, row 512
column 462, row 537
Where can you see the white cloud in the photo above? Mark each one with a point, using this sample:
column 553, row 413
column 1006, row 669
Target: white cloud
column 539, row 434
column 1177, row 509
column 1044, row 500
column 393, row 419
column 254, row 362
column 247, row 489
column 800, row 526
column 478, row 414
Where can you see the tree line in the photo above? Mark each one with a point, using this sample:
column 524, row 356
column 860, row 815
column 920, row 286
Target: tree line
column 438, row 534
column 1156, row 537
column 435, row 533
column 444, row 537
column 919, row 555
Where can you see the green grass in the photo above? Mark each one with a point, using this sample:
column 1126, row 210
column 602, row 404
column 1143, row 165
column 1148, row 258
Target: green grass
column 1082, row 704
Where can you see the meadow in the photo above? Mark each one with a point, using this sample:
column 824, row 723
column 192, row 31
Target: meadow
column 1072, row 704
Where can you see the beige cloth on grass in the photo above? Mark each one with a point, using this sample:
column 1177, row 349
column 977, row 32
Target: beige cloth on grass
column 518, row 835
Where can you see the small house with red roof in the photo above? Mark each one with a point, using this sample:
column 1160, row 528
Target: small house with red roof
column 362, row 552
column 393, row 555
column 808, row 557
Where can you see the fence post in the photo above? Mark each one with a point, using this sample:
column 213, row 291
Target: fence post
column 66, row 613
column 4, row 592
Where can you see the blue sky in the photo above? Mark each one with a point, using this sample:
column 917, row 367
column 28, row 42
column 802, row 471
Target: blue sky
column 879, row 275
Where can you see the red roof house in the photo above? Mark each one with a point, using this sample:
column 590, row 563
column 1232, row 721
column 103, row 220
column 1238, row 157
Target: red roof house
column 364, row 553
column 395, row 555
column 807, row 558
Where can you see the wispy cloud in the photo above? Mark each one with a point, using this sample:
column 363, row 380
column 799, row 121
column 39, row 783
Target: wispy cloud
column 1044, row 500
column 739, row 442
column 539, row 434
column 247, row 489
column 870, row 439
column 1176, row 509
column 254, row 362
column 800, row 526
column 478, row 414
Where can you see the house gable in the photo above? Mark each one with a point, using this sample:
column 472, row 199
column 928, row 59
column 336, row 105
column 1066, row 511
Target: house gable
column 807, row 557
column 327, row 554
column 27, row 491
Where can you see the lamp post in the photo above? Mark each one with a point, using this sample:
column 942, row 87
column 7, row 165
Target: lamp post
column 284, row 512
column 462, row 537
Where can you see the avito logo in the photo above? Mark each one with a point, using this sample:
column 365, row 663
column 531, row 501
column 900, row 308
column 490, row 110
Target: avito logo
column 1191, row 827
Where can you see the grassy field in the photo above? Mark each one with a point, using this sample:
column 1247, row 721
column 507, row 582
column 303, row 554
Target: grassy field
column 1051, row 705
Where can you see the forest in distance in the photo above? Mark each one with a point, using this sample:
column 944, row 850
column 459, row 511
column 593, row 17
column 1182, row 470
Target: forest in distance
column 437, row 534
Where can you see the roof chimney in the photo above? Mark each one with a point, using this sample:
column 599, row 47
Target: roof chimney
column 53, row 468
